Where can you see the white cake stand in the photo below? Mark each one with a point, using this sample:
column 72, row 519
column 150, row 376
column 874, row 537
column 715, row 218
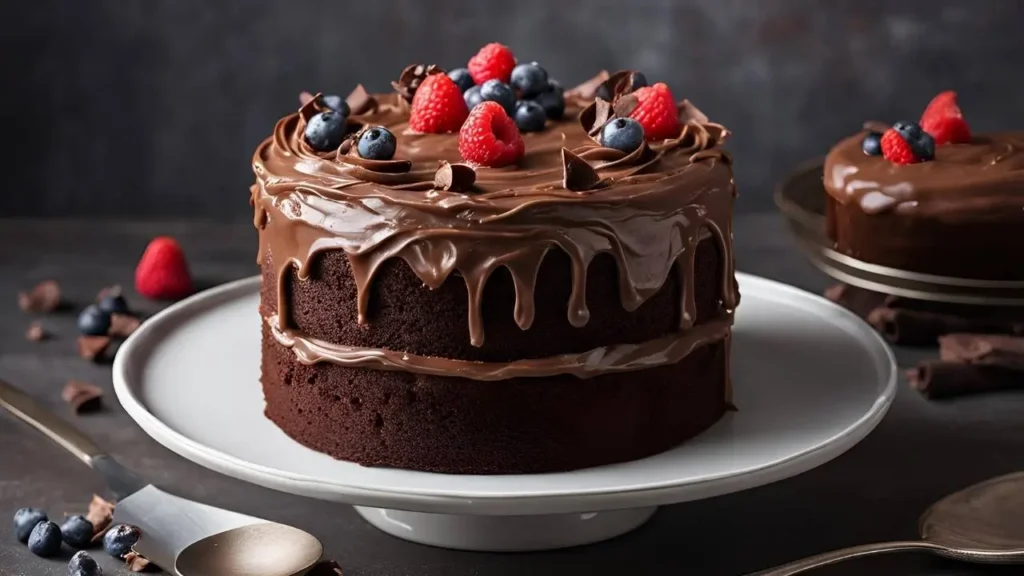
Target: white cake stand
column 810, row 381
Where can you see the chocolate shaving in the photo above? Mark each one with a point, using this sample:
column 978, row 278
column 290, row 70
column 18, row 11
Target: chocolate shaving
column 617, row 85
column 876, row 126
column 577, row 174
column 595, row 116
column 310, row 108
column 325, row 568
column 115, row 290
column 454, row 177
column 92, row 347
column 588, row 89
column 123, row 325
column 688, row 113
column 43, row 297
column 35, row 332
column 137, row 562
column 411, row 78
column 101, row 514
column 82, row 396
column 625, row 105
column 360, row 101
column 305, row 98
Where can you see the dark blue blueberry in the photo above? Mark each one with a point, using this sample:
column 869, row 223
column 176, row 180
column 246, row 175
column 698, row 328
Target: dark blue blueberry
column 81, row 564
column 377, row 143
column 472, row 97
column 25, row 520
column 529, row 79
column 872, row 144
column 325, row 131
column 555, row 86
column 93, row 321
column 530, row 117
column 497, row 91
column 119, row 540
column 553, row 104
column 336, row 103
column 921, row 142
column 462, row 79
column 45, row 539
column 77, row 531
column 623, row 134
column 114, row 304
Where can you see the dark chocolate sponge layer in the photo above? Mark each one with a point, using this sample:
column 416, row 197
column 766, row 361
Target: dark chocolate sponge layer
column 520, row 425
column 991, row 249
column 404, row 315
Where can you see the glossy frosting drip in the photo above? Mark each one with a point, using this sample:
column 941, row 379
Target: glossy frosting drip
column 648, row 212
column 982, row 179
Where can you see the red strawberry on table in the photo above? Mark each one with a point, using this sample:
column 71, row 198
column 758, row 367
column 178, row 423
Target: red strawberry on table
column 490, row 138
column 657, row 112
column 438, row 106
column 944, row 120
column 162, row 272
column 493, row 61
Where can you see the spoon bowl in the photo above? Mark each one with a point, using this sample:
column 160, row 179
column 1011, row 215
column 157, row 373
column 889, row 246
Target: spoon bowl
column 265, row 549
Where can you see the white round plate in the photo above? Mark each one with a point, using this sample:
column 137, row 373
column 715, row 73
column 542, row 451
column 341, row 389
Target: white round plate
column 810, row 380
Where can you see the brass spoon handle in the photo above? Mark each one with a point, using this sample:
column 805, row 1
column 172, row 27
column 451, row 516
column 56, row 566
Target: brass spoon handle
column 58, row 430
column 834, row 556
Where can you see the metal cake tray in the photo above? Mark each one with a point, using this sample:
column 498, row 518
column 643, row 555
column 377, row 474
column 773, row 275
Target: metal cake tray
column 801, row 199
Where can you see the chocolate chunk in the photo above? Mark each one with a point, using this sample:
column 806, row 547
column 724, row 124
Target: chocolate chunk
column 92, row 347
column 360, row 101
column 82, row 396
column 137, row 562
column 455, row 177
column 411, row 78
column 588, row 89
column 625, row 105
column 101, row 514
column 122, row 325
column 44, row 297
column 577, row 174
column 35, row 332
column 114, row 290
column 325, row 568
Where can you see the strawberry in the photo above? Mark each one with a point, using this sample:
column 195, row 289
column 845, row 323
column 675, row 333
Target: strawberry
column 944, row 120
column 438, row 106
column 490, row 138
column 656, row 112
column 492, row 61
column 907, row 143
column 162, row 272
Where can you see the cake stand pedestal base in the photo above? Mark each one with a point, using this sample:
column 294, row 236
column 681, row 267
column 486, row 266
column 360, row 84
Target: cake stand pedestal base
column 506, row 533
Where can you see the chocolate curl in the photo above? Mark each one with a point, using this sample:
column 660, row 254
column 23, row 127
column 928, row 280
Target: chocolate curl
column 937, row 380
column 454, row 177
column 360, row 101
column 617, row 85
column 588, row 89
column 310, row 107
column 992, row 349
column 595, row 116
column 305, row 98
column 411, row 78
column 577, row 174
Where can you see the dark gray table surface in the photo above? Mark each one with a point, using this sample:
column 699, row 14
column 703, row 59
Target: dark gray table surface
column 876, row 491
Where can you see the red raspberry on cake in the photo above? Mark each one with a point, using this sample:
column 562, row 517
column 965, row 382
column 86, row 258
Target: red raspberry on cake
column 438, row 106
column 492, row 61
column 657, row 112
column 490, row 138
column 907, row 143
column 944, row 120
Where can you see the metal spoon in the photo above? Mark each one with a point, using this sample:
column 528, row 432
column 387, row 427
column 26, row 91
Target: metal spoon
column 981, row 523
column 179, row 535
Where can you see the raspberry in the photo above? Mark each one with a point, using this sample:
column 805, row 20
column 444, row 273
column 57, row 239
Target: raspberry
column 944, row 120
column 492, row 61
column 162, row 273
column 490, row 138
column 657, row 112
column 437, row 106
column 896, row 150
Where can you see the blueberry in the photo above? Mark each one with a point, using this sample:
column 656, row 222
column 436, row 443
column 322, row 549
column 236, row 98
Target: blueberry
column 377, row 143
column 77, row 531
column 921, row 142
column 93, row 321
column 472, row 97
column 114, row 304
column 45, row 539
column 25, row 520
column 529, row 79
column 555, row 86
column 623, row 134
column 529, row 116
column 336, row 103
column 461, row 78
column 872, row 144
column 497, row 91
column 553, row 104
column 82, row 564
column 326, row 130
column 119, row 540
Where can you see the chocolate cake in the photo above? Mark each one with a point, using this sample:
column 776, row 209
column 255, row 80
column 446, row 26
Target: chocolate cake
column 570, row 308
column 954, row 210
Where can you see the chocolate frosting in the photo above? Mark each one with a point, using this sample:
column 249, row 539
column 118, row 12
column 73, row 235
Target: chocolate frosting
column 649, row 213
column 982, row 179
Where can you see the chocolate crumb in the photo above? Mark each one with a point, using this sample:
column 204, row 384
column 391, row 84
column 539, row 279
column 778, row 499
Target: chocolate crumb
column 82, row 396
column 35, row 332
column 360, row 101
column 114, row 290
column 44, row 297
column 101, row 514
column 625, row 105
column 93, row 347
column 411, row 78
column 123, row 325
column 455, row 177
column 577, row 174
column 325, row 568
column 137, row 562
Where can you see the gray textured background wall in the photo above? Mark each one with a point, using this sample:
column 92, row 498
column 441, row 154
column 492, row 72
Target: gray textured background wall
column 153, row 107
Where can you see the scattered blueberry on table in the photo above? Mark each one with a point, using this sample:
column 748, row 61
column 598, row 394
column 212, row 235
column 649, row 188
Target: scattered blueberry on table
column 497, row 91
column 325, row 131
column 45, row 539
column 81, row 564
column 529, row 116
column 462, row 79
column 114, row 304
column 25, row 520
column 624, row 134
column 377, row 143
column 529, row 79
column 77, row 531
column 119, row 540
column 93, row 321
